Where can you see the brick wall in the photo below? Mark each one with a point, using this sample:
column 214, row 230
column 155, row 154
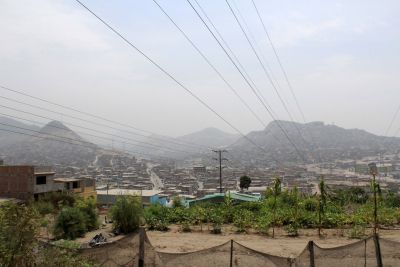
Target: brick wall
column 16, row 181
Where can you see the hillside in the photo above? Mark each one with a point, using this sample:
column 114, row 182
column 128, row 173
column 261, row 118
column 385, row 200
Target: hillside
column 187, row 145
column 317, row 140
column 210, row 137
column 53, row 144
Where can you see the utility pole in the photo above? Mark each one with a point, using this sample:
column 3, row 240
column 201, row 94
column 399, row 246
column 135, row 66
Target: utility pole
column 220, row 159
column 374, row 171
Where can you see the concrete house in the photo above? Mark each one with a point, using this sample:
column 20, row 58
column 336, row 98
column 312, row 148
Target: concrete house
column 31, row 182
column 26, row 182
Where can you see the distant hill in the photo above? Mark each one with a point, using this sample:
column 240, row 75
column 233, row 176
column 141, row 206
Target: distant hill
column 187, row 145
column 319, row 140
column 210, row 137
column 7, row 133
column 53, row 144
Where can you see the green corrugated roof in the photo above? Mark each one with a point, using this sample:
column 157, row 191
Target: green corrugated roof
column 233, row 195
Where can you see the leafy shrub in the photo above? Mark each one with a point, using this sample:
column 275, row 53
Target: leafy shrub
column 18, row 229
column 242, row 220
column 70, row 223
column 310, row 204
column 59, row 199
column 157, row 217
column 358, row 231
column 89, row 210
column 292, row 229
column 44, row 207
column 185, row 226
column 251, row 206
column 216, row 217
column 127, row 213
column 262, row 224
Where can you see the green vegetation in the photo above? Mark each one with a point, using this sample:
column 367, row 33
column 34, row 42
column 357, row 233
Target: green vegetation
column 18, row 229
column 351, row 209
column 74, row 221
column 245, row 182
column 19, row 226
column 70, row 223
column 127, row 213
column 89, row 211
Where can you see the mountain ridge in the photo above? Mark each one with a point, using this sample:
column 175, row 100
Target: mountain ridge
column 318, row 141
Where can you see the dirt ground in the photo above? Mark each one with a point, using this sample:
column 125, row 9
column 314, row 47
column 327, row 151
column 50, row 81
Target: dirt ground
column 281, row 245
column 105, row 229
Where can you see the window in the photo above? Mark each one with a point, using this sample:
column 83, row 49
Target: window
column 75, row 185
column 40, row 180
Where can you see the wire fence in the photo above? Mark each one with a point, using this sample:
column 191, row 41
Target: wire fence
column 137, row 250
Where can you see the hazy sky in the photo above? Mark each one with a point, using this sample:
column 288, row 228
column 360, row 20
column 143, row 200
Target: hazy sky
column 342, row 58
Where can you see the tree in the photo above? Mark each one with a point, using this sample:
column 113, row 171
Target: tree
column 322, row 198
column 89, row 211
column 70, row 223
column 19, row 226
column 293, row 226
column 127, row 213
column 245, row 182
column 18, row 229
column 276, row 191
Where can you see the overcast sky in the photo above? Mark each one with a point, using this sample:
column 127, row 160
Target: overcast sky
column 342, row 58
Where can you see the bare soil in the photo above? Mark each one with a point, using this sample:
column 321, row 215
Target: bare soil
column 282, row 245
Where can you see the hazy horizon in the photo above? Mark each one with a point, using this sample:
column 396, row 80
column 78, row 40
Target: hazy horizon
column 341, row 58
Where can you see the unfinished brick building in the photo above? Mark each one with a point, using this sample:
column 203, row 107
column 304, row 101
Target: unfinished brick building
column 26, row 182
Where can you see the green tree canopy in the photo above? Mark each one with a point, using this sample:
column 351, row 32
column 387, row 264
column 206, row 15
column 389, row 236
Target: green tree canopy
column 18, row 229
column 245, row 182
column 70, row 223
column 127, row 213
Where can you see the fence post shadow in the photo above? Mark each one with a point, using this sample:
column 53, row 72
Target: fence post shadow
column 377, row 251
column 141, row 247
column 311, row 250
column 231, row 259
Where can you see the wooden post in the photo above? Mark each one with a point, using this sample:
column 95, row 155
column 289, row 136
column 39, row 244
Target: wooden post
column 311, row 250
column 231, row 261
column 378, row 251
column 141, row 247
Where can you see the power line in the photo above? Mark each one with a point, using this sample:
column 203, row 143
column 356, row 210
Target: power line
column 264, row 69
column 256, row 44
column 148, row 145
column 236, row 59
column 247, row 81
column 284, row 74
column 279, row 62
column 87, row 128
column 258, row 58
column 84, row 120
column 392, row 121
column 102, row 118
column 169, row 75
column 209, row 63
column 80, row 142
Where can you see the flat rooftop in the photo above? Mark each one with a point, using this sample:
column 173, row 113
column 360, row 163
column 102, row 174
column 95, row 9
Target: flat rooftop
column 133, row 192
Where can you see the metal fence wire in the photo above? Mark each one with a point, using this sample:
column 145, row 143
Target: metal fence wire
column 137, row 250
